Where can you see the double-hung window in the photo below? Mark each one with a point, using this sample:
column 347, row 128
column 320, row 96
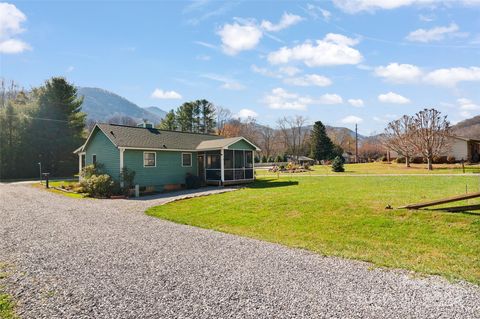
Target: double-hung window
column 187, row 159
column 149, row 159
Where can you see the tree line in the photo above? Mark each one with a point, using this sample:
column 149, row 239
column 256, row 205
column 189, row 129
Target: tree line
column 42, row 125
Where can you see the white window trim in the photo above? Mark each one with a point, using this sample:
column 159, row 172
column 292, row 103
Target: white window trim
column 155, row 157
column 191, row 160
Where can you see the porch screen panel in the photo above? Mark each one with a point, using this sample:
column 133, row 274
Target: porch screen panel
column 212, row 166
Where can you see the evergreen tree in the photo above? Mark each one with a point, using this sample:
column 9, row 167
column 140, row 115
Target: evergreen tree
column 337, row 165
column 59, row 126
column 184, row 116
column 207, row 116
column 322, row 147
column 169, row 122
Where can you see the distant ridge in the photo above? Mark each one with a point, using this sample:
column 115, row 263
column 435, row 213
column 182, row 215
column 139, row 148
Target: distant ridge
column 101, row 105
column 469, row 128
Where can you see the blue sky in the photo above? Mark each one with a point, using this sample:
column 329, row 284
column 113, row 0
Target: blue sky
column 342, row 62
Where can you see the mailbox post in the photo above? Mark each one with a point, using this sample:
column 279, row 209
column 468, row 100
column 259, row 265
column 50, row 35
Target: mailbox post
column 46, row 175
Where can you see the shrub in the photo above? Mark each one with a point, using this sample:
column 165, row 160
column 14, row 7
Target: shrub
column 98, row 185
column 192, row 181
column 337, row 165
column 400, row 160
column 128, row 178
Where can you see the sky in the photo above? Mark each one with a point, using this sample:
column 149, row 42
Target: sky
column 343, row 62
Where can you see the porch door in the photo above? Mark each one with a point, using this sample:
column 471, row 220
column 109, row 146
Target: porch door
column 201, row 166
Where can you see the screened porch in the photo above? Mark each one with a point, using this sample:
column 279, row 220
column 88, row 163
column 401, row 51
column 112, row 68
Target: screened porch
column 228, row 166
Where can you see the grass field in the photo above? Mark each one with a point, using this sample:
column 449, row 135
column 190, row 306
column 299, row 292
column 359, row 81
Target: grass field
column 346, row 217
column 384, row 168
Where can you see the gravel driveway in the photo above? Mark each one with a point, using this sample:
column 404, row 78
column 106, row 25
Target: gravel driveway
column 80, row 258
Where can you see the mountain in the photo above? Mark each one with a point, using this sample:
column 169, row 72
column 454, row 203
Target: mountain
column 469, row 128
column 157, row 111
column 101, row 105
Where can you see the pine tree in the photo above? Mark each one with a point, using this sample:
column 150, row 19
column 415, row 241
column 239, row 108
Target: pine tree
column 207, row 114
column 169, row 122
column 337, row 165
column 184, row 116
column 322, row 147
column 59, row 127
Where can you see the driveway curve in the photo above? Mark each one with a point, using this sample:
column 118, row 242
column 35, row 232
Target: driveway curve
column 80, row 258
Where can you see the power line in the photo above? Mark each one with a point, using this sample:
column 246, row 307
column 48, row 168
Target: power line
column 37, row 118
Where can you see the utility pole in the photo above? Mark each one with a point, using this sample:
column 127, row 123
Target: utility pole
column 356, row 143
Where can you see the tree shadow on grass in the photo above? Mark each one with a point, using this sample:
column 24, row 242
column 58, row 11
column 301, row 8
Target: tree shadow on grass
column 271, row 183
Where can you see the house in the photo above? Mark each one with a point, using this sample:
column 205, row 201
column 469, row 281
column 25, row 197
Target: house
column 302, row 160
column 463, row 148
column 161, row 157
column 459, row 148
column 349, row 157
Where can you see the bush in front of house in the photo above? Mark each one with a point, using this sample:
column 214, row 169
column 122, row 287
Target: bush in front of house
column 97, row 184
column 337, row 165
column 451, row 159
column 127, row 177
column 192, row 181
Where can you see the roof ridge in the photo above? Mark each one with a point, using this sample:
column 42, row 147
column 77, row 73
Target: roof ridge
column 158, row 129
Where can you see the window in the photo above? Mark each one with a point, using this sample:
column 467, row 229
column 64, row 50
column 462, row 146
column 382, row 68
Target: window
column 239, row 159
column 94, row 159
column 149, row 159
column 187, row 159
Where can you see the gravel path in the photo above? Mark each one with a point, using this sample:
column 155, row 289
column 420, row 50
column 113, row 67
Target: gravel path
column 74, row 258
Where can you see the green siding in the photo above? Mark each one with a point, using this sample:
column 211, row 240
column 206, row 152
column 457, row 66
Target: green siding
column 107, row 153
column 168, row 169
column 241, row 145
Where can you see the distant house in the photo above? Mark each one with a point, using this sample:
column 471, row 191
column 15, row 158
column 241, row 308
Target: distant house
column 460, row 148
column 463, row 148
column 348, row 157
column 302, row 160
column 161, row 157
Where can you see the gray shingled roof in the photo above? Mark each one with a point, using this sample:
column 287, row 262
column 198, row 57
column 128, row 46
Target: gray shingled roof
column 130, row 136
column 217, row 143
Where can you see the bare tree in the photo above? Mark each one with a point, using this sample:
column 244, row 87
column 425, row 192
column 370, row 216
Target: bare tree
column 430, row 135
column 224, row 116
column 398, row 136
column 267, row 140
column 293, row 133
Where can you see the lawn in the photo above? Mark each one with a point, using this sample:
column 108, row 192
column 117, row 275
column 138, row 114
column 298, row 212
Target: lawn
column 384, row 168
column 346, row 217
column 61, row 184
column 7, row 306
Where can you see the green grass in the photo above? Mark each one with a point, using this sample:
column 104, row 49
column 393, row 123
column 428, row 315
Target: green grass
column 7, row 305
column 383, row 168
column 346, row 217
column 59, row 184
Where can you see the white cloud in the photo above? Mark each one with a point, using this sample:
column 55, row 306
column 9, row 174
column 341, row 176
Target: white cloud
column 286, row 21
column 316, row 12
column 246, row 113
column 12, row 46
column 227, row 83
column 309, row 80
column 205, row 44
column 165, row 95
column 11, row 20
column 394, row 98
column 450, row 77
column 239, row 37
column 289, row 70
column 351, row 119
column 467, row 107
column 399, row 73
column 434, row 34
column 281, row 99
column 356, row 102
column 356, row 6
column 70, row 69
column 334, row 49
column 330, row 99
